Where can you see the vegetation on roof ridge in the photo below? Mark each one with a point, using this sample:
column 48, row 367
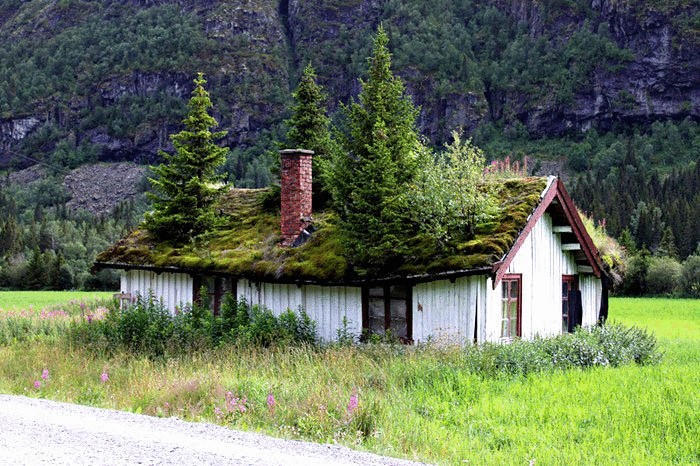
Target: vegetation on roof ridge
column 248, row 243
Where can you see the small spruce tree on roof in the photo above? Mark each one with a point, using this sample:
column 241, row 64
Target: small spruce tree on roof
column 186, row 185
column 370, row 175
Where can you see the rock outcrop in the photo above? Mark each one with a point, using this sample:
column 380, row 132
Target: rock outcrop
column 125, row 105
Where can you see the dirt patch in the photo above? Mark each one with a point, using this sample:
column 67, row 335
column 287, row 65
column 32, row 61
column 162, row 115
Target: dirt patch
column 27, row 175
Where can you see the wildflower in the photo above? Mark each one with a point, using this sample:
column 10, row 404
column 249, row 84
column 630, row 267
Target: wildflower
column 104, row 377
column 89, row 318
column 37, row 384
column 352, row 404
column 271, row 403
column 45, row 374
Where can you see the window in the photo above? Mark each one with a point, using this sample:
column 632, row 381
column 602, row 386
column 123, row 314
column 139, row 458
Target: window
column 568, row 303
column 216, row 288
column 388, row 308
column 511, row 307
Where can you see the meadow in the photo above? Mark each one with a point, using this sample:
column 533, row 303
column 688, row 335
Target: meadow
column 418, row 403
column 37, row 300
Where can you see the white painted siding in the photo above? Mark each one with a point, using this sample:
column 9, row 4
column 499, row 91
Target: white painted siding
column 591, row 297
column 326, row 305
column 446, row 311
column 491, row 324
column 174, row 289
column 541, row 263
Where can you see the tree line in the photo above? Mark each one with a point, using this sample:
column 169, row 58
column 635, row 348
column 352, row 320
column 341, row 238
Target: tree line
column 45, row 246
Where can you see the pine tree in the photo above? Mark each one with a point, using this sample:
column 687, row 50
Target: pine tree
column 667, row 245
column 370, row 176
column 185, row 184
column 308, row 129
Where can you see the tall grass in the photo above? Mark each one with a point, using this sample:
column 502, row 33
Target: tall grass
column 423, row 403
column 49, row 316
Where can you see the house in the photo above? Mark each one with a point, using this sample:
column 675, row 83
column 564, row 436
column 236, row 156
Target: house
column 531, row 271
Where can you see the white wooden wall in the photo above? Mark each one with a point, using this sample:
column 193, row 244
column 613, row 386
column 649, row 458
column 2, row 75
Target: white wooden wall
column 326, row 305
column 541, row 263
column 175, row 289
column 591, row 297
column 446, row 312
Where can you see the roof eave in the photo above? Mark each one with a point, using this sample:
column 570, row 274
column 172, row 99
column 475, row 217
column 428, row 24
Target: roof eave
column 415, row 278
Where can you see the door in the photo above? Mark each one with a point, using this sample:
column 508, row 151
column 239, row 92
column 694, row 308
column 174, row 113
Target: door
column 571, row 311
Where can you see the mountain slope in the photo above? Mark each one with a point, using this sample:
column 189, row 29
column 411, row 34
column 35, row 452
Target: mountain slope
column 104, row 80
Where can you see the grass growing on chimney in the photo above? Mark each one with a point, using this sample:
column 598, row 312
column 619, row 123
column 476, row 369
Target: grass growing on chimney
column 248, row 244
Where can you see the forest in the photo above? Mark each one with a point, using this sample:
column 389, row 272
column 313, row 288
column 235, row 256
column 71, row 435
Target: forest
column 601, row 94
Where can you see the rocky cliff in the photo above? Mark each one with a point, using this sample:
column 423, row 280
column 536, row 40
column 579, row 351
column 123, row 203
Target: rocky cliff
column 82, row 80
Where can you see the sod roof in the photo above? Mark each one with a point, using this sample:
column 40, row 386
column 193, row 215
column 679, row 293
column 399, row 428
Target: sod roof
column 247, row 245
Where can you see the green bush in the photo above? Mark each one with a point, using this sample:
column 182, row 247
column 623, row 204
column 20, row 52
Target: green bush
column 691, row 276
column 147, row 327
column 664, row 275
column 608, row 345
column 265, row 329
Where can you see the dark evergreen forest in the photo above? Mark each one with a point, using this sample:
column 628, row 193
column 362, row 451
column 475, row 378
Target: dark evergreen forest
column 602, row 93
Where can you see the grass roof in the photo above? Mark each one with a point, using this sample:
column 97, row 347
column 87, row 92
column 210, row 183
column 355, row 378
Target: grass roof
column 248, row 243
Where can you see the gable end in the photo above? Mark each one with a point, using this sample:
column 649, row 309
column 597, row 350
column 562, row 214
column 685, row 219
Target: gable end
column 556, row 197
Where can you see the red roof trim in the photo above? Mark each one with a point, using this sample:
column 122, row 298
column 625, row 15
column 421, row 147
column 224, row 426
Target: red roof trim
column 579, row 230
column 549, row 195
column 557, row 191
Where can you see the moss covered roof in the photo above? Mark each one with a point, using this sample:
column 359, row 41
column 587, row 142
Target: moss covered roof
column 247, row 244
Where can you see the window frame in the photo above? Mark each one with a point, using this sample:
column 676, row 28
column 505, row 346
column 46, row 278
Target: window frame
column 386, row 296
column 505, row 285
column 222, row 285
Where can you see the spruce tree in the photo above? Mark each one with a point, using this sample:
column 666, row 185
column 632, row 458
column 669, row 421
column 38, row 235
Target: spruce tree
column 185, row 185
column 667, row 245
column 309, row 129
column 370, row 176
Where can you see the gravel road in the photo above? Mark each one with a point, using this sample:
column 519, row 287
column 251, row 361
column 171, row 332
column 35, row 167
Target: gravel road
column 35, row 431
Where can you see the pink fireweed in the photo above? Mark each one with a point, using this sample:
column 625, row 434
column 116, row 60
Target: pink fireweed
column 53, row 314
column 235, row 403
column 43, row 314
column 352, row 404
column 271, row 403
column 98, row 314
column 104, row 377
column 37, row 384
column 45, row 374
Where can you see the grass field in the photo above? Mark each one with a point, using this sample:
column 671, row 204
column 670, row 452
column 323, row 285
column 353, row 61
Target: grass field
column 420, row 404
column 36, row 300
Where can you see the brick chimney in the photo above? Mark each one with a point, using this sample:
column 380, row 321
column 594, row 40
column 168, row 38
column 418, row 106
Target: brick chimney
column 295, row 181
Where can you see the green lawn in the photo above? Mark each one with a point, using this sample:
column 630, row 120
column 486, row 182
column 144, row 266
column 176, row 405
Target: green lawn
column 23, row 300
column 667, row 318
column 420, row 405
